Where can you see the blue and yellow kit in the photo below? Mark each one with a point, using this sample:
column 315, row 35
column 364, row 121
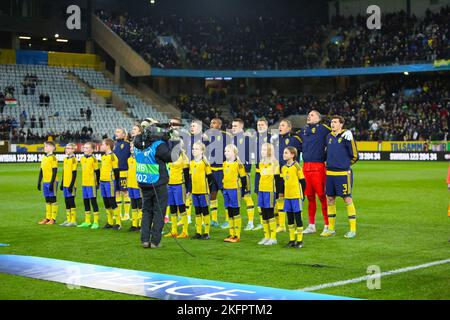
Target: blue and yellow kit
column 233, row 174
column 177, row 180
column 341, row 154
column 122, row 152
column 69, row 166
column 89, row 164
column 48, row 163
column 199, row 170
column 267, row 187
column 314, row 142
column 107, row 179
column 133, row 189
column 293, row 194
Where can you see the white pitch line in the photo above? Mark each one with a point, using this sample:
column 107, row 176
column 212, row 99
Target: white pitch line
column 374, row 276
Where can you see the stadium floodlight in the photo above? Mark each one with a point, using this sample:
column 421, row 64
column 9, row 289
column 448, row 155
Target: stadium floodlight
column 406, row 73
column 62, row 40
column 44, row 39
column 152, row 1
column 56, row 35
column 25, row 38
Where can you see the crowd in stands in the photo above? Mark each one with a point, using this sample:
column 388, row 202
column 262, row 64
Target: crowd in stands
column 142, row 36
column 395, row 109
column 291, row 43
column 400, row 40
column 29, row 83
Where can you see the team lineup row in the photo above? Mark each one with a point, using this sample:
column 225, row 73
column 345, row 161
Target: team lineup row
column 280, row 183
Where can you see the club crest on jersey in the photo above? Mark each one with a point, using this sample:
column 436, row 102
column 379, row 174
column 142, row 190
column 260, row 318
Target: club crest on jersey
column 339, row 140
column 121, row 146
column 313, row 130
column 286, row 142
column 329, row 141
column 219, row 138
column 241, row 140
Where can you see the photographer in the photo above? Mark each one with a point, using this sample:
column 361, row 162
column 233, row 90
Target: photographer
column 153, row 151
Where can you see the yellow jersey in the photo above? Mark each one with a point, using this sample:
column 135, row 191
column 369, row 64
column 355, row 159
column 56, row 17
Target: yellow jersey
column 109, row 163
column 198, row 171
column 89, row 164
column 70, row 165
column 291, row 175
column 232, row 172
column 176, row 168
column 132, row 181
column 48, row 162
column 267, row 173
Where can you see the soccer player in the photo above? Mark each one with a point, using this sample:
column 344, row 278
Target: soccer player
column 242, row 142
column 294, row 184
column 69, row 177
column 262, row 136
column 314, row 139
column 200, row 179
column 341, row 154
column 109, row 183
column 217, row 140
column 122, row 151
column 234, row 180
column 90, row 182
column 178, row 183
column 268, row 185
column 134, row 193
column 47, row 175
column 285, row 139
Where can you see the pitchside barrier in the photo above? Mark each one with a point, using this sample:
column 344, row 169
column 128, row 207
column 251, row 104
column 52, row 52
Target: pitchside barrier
column 35, row 157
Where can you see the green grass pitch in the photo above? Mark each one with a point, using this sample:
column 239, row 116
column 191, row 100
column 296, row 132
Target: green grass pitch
column 401, row 215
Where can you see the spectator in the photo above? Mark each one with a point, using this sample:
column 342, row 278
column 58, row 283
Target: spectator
column 41, row 122
column 88, row 114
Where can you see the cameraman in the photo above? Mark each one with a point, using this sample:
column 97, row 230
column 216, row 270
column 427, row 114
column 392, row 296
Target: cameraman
column 153, row 151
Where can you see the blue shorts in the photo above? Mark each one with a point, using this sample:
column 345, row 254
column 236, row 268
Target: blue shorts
column 134, row 193
column 231, row 198
column 107, row 189
column 292, row 205
column 339, row 185
column 218, row 175
column 266, row 200
column 200, row 200
column 257, row 176
column 177, row 195
column 46, row 191
column 122, row 184
column 89, row 192
column 67, row 194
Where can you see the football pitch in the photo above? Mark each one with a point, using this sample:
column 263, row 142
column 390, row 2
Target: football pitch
column 401, row 222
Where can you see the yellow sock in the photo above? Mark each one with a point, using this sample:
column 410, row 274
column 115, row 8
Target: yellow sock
column 331, row 216
column 173, row 219
column 291, row 232
column 260, row 217
column 232, row 229
column 214, row 204
column 299, row 234
column 119, row 202
column 189, row 206
column 184, row 220
column 281, row 213
column 96, row 217
column 351, row 213
column 48, row 211
column 198, row 223
column 127, row 205
column 168, row 211
column 73, row 216
column 140, row 217
column 237, row 225
column 134, row 217
column 273, row 229
column 54, row 210
column 449, row 210
column 116, row 212
column 250, row 207
column 87, row 216
column 68, row 213
column 207, row 221
column 109, row 215
column 265, row 224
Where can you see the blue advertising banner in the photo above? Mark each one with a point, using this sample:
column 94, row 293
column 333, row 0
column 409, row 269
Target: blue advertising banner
column 148, row 284
column 190, row 73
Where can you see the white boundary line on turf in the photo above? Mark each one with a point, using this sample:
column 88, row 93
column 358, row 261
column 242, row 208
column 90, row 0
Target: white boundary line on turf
column 374, row 276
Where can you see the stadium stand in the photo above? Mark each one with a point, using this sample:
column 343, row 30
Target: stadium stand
column 274, row 44
column 65, row 117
